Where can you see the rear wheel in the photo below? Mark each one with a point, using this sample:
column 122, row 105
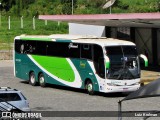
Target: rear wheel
column 89, row 88
column 42, row 80
column 32, row 79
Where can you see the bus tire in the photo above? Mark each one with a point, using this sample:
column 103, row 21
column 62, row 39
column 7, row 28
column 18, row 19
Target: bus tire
column 89, row 87
column 32, row 79
column 42, row 80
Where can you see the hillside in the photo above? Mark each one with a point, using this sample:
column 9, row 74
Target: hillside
column 30, row 8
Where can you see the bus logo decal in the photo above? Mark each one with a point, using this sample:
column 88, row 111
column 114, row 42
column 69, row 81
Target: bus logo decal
column 82, row 65
column 72, row 46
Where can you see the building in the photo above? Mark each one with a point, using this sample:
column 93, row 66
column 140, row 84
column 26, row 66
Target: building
column 140, row 28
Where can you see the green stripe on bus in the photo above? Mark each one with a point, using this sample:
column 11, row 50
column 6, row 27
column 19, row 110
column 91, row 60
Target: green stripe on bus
column 146, row 63
column 59, row 67
column 107, row 65
column 38, row 39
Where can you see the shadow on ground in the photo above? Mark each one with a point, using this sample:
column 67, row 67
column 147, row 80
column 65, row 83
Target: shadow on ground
column 111, row 95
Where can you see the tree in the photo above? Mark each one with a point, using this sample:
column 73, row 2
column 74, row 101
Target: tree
column 7, row 4
column 67, row 6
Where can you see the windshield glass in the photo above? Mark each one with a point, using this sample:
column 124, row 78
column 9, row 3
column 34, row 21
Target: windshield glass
column 123, row 62
column 115, row 54
column 130, row 51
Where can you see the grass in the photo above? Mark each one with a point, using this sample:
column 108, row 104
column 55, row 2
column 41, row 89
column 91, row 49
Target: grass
column 7, row 36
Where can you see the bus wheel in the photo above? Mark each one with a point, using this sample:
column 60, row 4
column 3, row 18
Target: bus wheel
column 32, row 79
column 42, row 80
column 89, row 88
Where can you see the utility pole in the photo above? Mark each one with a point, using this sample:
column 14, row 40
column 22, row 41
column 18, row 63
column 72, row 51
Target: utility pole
column 9, row 23
column 72, row 6
column 21, row 22
column 34, row 26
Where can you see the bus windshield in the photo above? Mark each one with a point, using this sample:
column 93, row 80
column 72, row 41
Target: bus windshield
column 124, row 62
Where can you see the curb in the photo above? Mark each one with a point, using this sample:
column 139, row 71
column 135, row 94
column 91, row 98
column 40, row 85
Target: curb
column 148, row 80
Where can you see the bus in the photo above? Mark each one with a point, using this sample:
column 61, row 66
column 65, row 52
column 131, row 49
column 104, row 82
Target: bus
column 87, row 62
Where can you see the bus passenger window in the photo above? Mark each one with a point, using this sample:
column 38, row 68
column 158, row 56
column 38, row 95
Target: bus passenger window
column 86, row 51
column 86, row 47
column 19, row 46
column 41, row 48
column 30, row 47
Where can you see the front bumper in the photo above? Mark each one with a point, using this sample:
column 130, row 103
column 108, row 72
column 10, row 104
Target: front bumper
column 112, row 89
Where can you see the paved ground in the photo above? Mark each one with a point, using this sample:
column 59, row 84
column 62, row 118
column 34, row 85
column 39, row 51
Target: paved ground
column 55, row 98
column 149, row 74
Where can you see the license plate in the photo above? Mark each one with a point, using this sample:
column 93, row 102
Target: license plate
column 125, row 89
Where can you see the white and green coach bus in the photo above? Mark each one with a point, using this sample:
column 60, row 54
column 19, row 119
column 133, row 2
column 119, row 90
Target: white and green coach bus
column 87, row 62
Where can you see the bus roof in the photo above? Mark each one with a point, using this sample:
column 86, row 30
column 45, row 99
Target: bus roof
column 103, row 41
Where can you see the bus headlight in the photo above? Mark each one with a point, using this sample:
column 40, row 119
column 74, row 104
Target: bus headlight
column 111, row 84
column 136, row 83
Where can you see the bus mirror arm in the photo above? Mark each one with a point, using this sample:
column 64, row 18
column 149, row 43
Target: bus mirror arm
column 145, row 59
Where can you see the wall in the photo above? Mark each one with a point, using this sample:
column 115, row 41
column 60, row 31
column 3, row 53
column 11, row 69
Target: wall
column 81, row 29
column 158, row 45
column 143, row 40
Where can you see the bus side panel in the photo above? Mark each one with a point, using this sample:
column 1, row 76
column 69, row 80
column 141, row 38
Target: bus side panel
column 20, row 66
column 56, row 66
column 53, row 68
column 62, row 69
column 23, row 66
column 85, row 72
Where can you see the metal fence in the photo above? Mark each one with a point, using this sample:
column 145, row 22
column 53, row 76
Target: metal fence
column 7, row 28
column 10, row 27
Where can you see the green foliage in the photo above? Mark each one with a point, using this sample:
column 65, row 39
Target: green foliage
column 67, row 6
column 7, row 36
column 134, row 6
column 30, row 8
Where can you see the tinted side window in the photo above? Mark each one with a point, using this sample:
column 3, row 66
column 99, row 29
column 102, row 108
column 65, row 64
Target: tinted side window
column 74, row 50
column 25, row 47
column 19, row 46
column 41, row 48
column 56, row 49
column 30, row 47
column 98, row 53
column 99, row 60
column 16, row 45
column 59, row 49
column 3, row 97
column 10, row 96
column 86, row 51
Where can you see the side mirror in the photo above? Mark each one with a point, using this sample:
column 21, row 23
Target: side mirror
column 145, row 59
column 107, row 62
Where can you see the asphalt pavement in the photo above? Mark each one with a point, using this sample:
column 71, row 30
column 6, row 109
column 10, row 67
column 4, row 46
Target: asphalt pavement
column 54, row 98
